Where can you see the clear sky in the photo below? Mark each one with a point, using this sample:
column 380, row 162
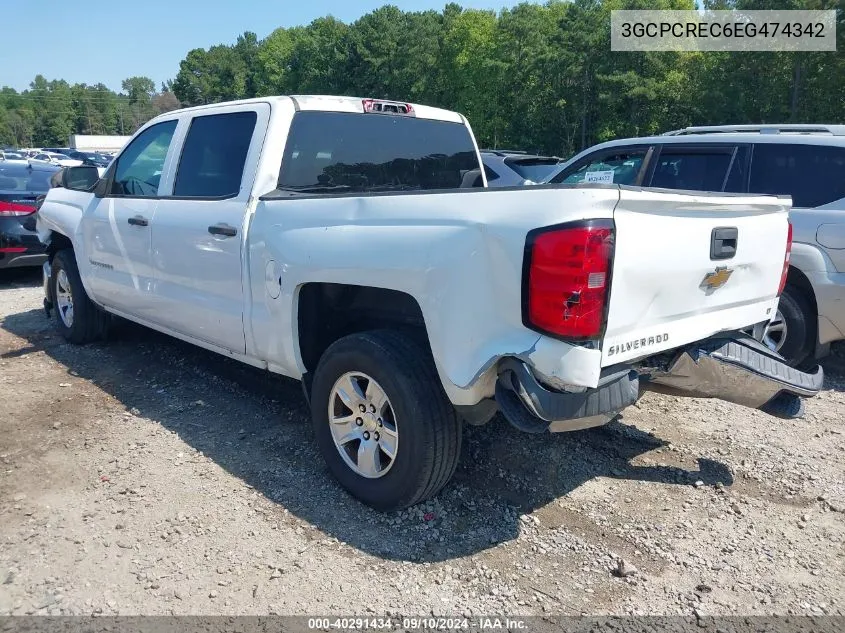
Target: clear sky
column 107, row 41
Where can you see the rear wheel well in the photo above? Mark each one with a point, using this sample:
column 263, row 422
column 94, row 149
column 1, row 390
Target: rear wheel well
column 798, row 280
column 329, row 311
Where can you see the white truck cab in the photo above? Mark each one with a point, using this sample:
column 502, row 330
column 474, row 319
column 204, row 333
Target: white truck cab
column 346, row 243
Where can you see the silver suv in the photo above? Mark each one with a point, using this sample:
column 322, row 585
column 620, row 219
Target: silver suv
column 512, row 168
column 806, row 162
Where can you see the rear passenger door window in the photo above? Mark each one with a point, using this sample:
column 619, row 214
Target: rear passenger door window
column 214, row 155
column 697, row 168
column 814, row 175
column 619, row 166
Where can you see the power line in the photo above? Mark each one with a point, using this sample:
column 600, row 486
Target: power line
column 116, row 97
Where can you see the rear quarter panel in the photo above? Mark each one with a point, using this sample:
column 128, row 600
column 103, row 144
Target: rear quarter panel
column 459, row 254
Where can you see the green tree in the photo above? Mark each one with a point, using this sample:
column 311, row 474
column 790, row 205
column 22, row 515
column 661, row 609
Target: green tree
column 535, row 76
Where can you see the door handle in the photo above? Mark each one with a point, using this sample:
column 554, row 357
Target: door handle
column 223, row 229
column 138, row 220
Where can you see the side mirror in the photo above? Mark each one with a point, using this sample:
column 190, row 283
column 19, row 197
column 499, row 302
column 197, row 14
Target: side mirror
column 81, row 178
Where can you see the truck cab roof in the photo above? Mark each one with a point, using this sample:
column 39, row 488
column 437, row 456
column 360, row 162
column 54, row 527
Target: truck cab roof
column 332, row 103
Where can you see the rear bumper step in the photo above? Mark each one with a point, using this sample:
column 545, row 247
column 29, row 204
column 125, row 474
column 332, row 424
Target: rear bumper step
column 736, row 369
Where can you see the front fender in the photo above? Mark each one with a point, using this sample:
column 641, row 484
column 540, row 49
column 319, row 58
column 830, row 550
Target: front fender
column 61, row 212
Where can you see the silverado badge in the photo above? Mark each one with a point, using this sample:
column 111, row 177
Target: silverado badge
column 715, row 280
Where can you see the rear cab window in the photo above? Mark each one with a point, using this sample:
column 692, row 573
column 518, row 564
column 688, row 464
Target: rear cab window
column 814, row 175
column 341, row 152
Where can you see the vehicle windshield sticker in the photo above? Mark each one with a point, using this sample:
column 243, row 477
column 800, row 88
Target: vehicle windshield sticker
column 599, row 176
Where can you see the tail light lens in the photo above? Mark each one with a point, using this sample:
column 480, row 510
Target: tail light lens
column 786, row 259
column 13, row 208
column 567, row 278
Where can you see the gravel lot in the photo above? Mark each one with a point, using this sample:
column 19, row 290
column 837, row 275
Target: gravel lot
column 144, row 476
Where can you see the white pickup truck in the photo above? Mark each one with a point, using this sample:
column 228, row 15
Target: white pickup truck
column 353, row 244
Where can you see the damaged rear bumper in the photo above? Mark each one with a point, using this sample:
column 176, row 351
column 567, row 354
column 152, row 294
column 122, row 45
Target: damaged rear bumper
column 534, row 408
column 734, row 368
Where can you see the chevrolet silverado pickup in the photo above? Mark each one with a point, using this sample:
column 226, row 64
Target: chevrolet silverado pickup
column 351, row 244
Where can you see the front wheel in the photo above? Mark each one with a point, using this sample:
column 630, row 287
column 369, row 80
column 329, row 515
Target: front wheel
column 78, row 319
column 385, row 427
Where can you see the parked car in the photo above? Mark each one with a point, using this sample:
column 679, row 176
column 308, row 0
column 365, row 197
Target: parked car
column 56, row 159
column 21, row 184
column 806, row 162
column 89, row 158
column 509, row 168
column 340, row 241
column 12, row 155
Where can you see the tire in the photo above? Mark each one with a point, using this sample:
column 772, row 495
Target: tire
column 83, row 322
column 427, row 429
column 799, row 319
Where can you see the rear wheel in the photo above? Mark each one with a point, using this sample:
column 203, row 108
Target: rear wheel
column 385, row 427
column 792, row 332
column 78, row 319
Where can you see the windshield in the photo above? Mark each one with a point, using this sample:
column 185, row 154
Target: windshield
column 534, row 169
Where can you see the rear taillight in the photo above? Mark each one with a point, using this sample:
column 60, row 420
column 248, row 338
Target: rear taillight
column 14, row 208
column 566, row 279
column 786, row 258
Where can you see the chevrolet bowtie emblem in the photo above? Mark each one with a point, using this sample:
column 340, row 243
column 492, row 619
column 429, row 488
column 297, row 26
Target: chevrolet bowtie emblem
column 716, row 279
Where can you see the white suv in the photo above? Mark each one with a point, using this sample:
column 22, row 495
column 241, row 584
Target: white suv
column 806, row 162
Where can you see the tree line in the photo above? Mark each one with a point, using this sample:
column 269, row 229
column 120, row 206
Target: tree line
column 50, row 111
column 540, row 77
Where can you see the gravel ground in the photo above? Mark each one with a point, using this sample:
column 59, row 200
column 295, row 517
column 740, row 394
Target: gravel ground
column 144, row 476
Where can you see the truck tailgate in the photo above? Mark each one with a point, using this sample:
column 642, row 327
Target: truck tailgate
column 669, row 287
